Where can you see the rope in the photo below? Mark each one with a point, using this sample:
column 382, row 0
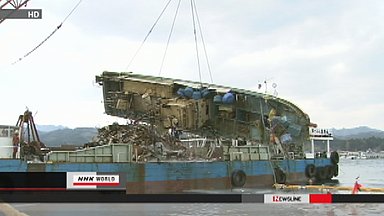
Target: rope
column 202, row 40
column 194, row 32
column 273, row 171
column 169, row 37
column 150, row 31
column 50, row 35
column 70, row 13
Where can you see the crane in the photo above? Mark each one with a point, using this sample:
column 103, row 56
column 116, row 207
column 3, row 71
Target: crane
column 30, row 143
column 17, row 4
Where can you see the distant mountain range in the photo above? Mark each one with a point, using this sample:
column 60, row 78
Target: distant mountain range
column 67, row 136
column 357, row 133
column 53, row 135
column 48, row 128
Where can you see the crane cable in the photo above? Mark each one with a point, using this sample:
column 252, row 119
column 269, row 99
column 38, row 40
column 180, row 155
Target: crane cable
column 196, row 20
column 169, row 37
column 54, row 31
column 202, row 40
column 196, row 45
column 150, row 31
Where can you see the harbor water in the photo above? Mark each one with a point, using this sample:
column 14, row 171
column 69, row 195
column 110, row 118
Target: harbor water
column 370, row 173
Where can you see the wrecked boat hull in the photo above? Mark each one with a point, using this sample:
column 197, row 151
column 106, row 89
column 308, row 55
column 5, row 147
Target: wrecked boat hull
column 183, row 177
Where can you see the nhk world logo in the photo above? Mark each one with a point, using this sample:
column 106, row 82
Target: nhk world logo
column 94, row 180
column 284, row 198
column 101, row 180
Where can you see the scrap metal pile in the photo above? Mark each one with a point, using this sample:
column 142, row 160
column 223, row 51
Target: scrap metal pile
column 138, row 134
column 149, row 144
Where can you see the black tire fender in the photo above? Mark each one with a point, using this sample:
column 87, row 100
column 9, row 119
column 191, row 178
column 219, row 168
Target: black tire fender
column 335, row 157
column 321, row 173
column 281, row 178
column 335, row 170
column 310, row 170
column 329, row 171
column 238, row 178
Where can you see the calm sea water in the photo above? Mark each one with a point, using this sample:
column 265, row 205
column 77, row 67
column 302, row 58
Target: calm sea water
column 370, row 172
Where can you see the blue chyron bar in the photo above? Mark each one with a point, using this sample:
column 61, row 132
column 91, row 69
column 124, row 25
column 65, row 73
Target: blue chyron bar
column 21, row 14
column 27, row 181
column 87, row 196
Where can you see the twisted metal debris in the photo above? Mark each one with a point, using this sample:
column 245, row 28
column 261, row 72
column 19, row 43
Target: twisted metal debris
column 149, row 144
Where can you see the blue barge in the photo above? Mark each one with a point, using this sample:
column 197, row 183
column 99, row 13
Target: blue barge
column 206, row 137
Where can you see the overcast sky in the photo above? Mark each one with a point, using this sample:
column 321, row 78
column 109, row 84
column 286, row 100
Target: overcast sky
column 325, row 56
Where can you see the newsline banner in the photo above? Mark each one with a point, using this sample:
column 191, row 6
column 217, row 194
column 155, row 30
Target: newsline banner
column 119, row 196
